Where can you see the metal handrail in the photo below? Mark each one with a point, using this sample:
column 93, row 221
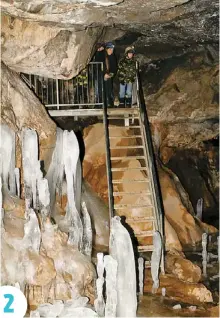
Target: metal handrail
column 152, row 160
column 108, row 152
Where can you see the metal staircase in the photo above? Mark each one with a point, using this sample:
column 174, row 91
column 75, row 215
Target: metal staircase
column 133, row 185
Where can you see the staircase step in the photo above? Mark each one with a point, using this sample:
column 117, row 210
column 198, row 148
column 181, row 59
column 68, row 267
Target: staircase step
column 127, row 147
column 124, row 116
column 125, row 137
column 129, row 169
column 139, row 220
column 144, row 233
column 131, row 126
column 130, row 180
column 128, row 157
column 125, row 206
column 147, row 248
column 117, row 194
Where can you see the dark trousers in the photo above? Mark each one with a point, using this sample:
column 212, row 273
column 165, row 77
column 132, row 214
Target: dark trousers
column 81, row 95
column 109, row 92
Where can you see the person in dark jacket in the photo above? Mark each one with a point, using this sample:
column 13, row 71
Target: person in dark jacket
column 97, row 71
column 127, row 76
column 110, row 70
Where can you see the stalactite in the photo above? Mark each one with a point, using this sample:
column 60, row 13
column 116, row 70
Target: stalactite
column 204, row 253
column 99, row 303
column 141, row 275
column 18, row 181
column 87, row 232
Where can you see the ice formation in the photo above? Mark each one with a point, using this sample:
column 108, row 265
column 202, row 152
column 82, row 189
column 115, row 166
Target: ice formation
column 199, row 209
column 71, row 308
column 30, row 162
column 70, row 147
column 155, row 260
column 111, row 286
column 87, row 232
column 141, row 275
column 7, row 158
column 204, row 253
column 99, row 303
column 56, row 170
column 121, row 250
column 32, row 233
column 17, row 180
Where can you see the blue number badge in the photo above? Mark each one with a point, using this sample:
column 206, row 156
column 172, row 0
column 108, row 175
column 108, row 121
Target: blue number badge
column 7, row 307
column 13, row 303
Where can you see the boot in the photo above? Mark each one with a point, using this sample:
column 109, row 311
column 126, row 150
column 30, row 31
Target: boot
column 121, row 103
column 128, row 103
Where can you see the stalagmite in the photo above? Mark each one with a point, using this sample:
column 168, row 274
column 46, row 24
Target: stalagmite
column 199, row 209
column 99, row 301
column 121, row 250
column 111, row 286
column 17, row 180
column 44, row 196
column 141, row 275
column 30, row 162
column 71, row 155
column 155, row 260
column 87, row 232
column 204, row 253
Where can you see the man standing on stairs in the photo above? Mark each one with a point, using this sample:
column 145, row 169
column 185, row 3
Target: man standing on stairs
column 126, row 75
column 110, row 70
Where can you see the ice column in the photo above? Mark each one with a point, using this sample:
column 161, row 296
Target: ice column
column 7, row 158
column 17, row 180
column 1, row 208
column 121, row 250
column 71, row 155
column 155, row 260
column 30, row 162
column 199, row 209
column 111, row 286
column 43, row 195
column 32, row 234
column 204, row 253
column 99, row 301
column 87, row 232
column 56, row 170
column 141, row 275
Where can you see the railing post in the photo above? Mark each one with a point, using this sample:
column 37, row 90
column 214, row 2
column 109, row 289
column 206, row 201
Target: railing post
column 108, row 152
column 57, row 91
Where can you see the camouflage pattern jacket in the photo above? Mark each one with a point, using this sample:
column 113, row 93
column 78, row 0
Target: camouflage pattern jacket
column 127, row 70
column 82, row 79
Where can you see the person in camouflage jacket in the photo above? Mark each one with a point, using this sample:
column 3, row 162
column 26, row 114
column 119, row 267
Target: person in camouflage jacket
column 126, row 75
column 81, row 88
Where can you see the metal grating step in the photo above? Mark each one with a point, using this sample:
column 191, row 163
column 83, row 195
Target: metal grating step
column 144, row 233
column 125, row 137
column 130, row 127
column 130, row 116
column 116, row 194
column 143, row 219
column 129, row 169
column 128, row 157
column 130, row 180
column 126, row 147
column 125, row 206
column 147, row 248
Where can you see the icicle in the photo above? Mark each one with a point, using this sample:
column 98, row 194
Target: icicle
column 71, row 155
column 121, row 250
column 17, row 180
column 199, row 209
column 111, row 286
column 99, row 303
column 141, row 275
column 1, row 203
column 204, row 253
column 44, row 196
column 30, row 162
column 155, row 260
column 78, row 185
column 87, row 232
column 163, row 291
column 56, row 170
column 6, row 154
